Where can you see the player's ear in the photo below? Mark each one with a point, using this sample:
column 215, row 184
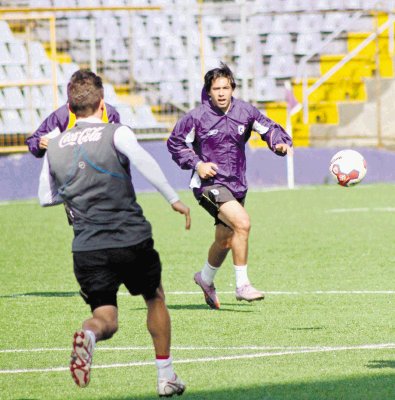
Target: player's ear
column 101, row 105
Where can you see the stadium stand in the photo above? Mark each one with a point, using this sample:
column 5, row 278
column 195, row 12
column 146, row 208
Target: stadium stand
column 158, row 56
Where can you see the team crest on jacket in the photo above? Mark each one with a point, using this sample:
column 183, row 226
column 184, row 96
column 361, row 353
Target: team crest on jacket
column 241, row 129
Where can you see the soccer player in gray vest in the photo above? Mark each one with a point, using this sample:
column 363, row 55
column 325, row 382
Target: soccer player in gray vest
column 210, row 140
column 88, row 168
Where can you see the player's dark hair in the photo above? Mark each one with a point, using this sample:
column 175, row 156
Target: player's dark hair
column 84, row 93
column 222, row 72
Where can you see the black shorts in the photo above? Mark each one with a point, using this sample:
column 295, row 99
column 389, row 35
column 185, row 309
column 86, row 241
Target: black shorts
column 213, row 196
column 101, row 272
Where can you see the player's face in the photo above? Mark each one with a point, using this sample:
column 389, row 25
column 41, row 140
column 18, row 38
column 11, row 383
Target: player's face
column 221, row 93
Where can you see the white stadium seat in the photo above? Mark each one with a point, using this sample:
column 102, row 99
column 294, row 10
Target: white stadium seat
column 12, row 122
column 13, row 98
column 308, row 43
column 282, row 66
column 6, row 34
column 5, row 56
column 278, row 44
column 265, row 89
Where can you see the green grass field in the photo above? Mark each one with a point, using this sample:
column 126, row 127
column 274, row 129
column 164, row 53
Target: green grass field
column 324, row 255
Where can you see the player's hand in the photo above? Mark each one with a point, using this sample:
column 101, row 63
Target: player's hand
column 43, row 144
column 180, row 207
column 284, row 149
column 207, row 170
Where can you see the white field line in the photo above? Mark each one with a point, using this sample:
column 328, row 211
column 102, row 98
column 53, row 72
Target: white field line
column 213, row 359
column 144, row 348
column 275, row 293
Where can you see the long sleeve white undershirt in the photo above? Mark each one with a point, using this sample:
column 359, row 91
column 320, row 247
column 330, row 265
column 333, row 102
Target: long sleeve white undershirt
column 125, row 142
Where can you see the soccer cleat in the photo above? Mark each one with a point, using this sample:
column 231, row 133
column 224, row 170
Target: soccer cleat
column 167, row 388
column 249, row 293
column 81, row 358
column 208, row 290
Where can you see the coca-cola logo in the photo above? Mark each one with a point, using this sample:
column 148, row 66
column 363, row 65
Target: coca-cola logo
column 93, row 134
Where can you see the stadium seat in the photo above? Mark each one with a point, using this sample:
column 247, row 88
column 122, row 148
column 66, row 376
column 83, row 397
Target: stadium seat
column 3, row 77
column 37, row 54
column 172, row 92
column 114, row 50
column 2, row 101
column 296, row 5
column 144, row 72
column 34, row 97
column 323, row 5
column 6, row 34
column 158, row 26
column 18, row 52
column 285, row 23
column 265, row 89
column 278, row 44
column 12, row 122
column 145, row 118
column 333, row 21
column 109, row 94
column 212, row 26
column 307, row 43
column 310, row 23
column 15, row 72
column 13, row 98
column 30, row 119
column 260, row 24
column 5, row 56
column 68, row 69
column 62, row 94
column 282, row 66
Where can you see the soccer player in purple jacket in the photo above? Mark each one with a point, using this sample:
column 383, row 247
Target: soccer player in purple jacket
column 62, row 119
column 210, row 140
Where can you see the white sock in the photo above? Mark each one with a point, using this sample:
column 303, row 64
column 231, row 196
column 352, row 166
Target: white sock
column 241, row 275
column 92, row 335
column 165, row 368
column 208, row 273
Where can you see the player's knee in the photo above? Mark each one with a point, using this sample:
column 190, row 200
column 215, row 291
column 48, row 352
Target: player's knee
column 243, row 225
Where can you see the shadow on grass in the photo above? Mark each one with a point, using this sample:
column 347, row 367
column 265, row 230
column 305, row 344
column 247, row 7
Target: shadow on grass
column 178, row 307
column 366, row 387
column 40, row 294
column 307, row 328
column 382, row 364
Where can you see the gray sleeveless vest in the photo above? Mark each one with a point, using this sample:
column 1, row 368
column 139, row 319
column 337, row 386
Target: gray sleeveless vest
column 95, row 183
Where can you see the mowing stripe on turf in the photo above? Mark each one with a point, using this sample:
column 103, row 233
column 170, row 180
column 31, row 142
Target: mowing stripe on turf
column 212, row 359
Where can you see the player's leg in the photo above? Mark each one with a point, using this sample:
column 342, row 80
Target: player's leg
column 99, row 285
column 158, row 323
column 143, row 277
column 233, row 214
column 216, row 256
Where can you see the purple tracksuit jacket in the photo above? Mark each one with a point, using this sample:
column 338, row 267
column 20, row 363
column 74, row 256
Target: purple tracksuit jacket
column 207, row 134
column 63, row 119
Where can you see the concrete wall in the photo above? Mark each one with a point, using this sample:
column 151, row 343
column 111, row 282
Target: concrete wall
column 19, row 173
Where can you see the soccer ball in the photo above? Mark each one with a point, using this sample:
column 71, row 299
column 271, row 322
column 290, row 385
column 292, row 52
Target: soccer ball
column 348, row 167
